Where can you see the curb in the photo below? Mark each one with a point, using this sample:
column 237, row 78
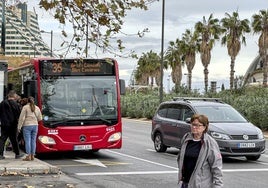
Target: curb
column 12, row 166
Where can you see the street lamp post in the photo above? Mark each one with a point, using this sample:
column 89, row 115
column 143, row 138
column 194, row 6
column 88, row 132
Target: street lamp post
column 187, row 80
column 168, row 83
column 162, row 53
column 51, row 40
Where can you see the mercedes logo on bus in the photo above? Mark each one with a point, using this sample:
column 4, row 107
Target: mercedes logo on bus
column 245, row 137
column 82, row 138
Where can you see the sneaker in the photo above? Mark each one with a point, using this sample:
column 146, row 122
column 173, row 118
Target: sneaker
column 2, row 157
column 19, row 156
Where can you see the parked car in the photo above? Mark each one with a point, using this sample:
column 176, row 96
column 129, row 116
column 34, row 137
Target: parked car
column 235, row 135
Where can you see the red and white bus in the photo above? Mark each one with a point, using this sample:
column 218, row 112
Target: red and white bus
column 79, row 99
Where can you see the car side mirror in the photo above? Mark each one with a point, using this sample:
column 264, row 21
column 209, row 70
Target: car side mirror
column 188, row 120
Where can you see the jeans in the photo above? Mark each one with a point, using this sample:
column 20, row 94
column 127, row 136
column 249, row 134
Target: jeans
column 29, row 135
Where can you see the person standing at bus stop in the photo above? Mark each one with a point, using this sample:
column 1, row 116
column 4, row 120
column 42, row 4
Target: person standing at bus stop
column 9, row 115
column 29, row 117
column 199, row 160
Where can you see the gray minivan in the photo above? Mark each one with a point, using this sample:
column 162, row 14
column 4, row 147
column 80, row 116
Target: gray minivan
column 235, row 135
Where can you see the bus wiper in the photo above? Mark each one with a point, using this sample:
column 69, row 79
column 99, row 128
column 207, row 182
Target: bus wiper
column 63, row 121
column 108, row 122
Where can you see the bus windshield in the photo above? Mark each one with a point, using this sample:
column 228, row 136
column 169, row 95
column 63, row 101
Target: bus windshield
column 70, row 98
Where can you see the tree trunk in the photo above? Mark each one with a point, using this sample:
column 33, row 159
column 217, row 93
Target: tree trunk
column 189, row 80
column 232, row 73
column 265, row 71
column 206, row 78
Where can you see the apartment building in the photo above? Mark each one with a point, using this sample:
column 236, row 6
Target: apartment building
column 20, row 33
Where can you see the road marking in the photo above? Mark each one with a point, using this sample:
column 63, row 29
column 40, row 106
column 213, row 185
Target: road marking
column 94, row 162
column 159, row 172
column 126, row 173
column 246, row 170
column 140, row 159
column 106, row 163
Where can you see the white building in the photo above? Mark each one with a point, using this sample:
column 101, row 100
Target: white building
column 254, row 74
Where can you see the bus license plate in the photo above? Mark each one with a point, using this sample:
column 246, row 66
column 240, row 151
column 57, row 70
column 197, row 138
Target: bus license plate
column 246, row 145
column 82, row 147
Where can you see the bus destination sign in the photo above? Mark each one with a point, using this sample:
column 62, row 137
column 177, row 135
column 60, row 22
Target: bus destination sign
column 77, row 67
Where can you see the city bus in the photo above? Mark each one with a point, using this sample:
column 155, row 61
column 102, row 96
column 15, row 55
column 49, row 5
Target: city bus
column 79, row 100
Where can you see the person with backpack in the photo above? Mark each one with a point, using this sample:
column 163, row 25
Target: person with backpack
column 9, row 115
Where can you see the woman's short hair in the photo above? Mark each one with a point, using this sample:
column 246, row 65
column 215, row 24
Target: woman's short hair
column 203, row 119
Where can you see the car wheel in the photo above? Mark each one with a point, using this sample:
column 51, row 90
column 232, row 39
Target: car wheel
column 158, row 143
column 253, row 158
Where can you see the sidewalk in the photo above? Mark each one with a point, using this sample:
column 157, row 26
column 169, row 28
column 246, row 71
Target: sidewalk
column 12, row 166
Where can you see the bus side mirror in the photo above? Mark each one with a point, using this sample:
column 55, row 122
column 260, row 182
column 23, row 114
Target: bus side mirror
column 122, row 87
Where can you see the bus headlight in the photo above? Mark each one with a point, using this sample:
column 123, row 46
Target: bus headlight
column 46, row 140
column 114, row 137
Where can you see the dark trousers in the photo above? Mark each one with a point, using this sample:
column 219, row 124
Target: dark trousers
column 184, row 185
column 11, row 133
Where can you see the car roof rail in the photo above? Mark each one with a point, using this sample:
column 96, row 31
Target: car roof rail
column 189, row 99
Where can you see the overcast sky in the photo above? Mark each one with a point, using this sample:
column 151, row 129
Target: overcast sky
column 179, row 16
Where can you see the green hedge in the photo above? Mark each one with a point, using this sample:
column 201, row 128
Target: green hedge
column 251, row 102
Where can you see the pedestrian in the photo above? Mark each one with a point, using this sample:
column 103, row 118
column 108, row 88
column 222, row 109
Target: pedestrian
column 29, row 117
column 23, row 101
column 199, row 159
column 9, row 115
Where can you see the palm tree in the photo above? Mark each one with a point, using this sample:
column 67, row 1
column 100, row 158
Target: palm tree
column 209, row 31
column 189, row 47
column 148, row 67
column 173, row 57
column 234, row 30
column 260, row 25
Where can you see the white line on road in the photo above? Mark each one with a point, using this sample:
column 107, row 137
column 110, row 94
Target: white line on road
column 94, row 162
column 246, row 170
column 126, row 173
column 140, row 159
column 160, row 172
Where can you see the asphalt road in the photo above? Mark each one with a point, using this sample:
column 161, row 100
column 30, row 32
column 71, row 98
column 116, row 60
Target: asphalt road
column 137, row 165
